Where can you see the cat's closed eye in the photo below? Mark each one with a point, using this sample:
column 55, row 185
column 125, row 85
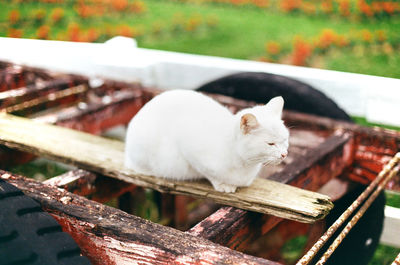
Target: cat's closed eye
column 271, row 143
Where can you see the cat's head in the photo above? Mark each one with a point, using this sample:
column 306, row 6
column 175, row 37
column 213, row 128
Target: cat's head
column 263, row 137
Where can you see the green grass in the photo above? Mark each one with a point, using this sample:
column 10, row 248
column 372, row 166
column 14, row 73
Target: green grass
column 292, row 250
column 384, row 255
column 241, row 32
column 393, row 199
column 363, row 121
column 39, row 169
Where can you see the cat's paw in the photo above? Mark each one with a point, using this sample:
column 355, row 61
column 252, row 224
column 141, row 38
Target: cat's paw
column 222, row 187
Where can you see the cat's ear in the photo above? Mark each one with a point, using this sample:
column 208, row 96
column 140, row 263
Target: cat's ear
column 248, row 122
column 275, row 105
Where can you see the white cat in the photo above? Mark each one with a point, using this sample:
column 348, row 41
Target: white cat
column 185, row 135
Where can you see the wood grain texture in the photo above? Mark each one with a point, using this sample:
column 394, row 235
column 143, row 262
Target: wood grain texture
column 108, row 236
column 310, row 171
column 105, row 156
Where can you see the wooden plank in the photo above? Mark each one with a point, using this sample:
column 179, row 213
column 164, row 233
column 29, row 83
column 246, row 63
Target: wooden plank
column 325, row 162
column 94, row 186
column 22, row 94
column 109, row 236
column 95, row 117
column 105, row 156
column 373, row 146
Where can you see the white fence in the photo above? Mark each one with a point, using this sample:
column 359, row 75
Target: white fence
column 376, row 98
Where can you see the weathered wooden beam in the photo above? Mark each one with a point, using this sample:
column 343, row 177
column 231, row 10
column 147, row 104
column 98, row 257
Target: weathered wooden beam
column 105, row 156
column 27, row 93
column 109, row 236
column 236, row 228
column 373, row 146
column 323, row 163
column 94, row 186
column 96, row 117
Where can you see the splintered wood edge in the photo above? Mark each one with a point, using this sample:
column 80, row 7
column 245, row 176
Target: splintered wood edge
column 105, row 156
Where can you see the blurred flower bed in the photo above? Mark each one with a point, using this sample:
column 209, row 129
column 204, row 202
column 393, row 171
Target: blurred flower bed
column 316, row 33
column 301, row 51
column 93, row 20
column 344, row 8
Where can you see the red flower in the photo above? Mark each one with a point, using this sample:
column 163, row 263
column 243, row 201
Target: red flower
column 125, row 30
column 327, row 38
column 344, row 7
column 15, row 33
column 381, row 35
column 138, row 7
column 43, row 32
column 301, row 51
column 273, row 47
column 74, row 32
column 327, row 6
column 14, row 16
column 57, row 14
column 261, row 3
column 366, row 35
column 119, row 5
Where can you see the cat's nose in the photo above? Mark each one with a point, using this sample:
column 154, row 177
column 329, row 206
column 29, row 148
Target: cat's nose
column 283, row 155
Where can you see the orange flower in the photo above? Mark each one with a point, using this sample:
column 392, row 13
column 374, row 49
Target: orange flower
column 43, row 32
column 238, row 2
column 389, row 7
column 273, row 47
column 126, row 31
column 57, row 14
column 387, row 48
column 74, row 32
column 84, row 11
column 14, row 16
column 39, row 15
column 327, row 6
column 366, row 35
column 138, row 7
column 365, row 8
column 193, row 23
column 92, row 35
column 381, row 35
column 326, row 38
column 309, row 8
column 344, row 7
column 301, row 51
column 119, row 5
column 290, row 5
column 261, row 3
column 376, row 7
column 341, row 41
column 15, row 33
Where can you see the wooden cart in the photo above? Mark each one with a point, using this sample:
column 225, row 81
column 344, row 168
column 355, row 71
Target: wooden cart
column 324, row 155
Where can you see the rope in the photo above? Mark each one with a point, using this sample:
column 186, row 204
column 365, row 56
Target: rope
column 346, row 214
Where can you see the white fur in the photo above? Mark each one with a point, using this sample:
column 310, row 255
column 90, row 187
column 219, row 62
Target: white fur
column 185, row 135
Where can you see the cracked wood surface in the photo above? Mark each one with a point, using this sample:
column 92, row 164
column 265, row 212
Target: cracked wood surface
column 110, row 236
column 105, row 156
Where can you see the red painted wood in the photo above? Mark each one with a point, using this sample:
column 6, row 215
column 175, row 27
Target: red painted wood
column 236, row 228
column 96, row 117
column 96, row 187
column 109, row 236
